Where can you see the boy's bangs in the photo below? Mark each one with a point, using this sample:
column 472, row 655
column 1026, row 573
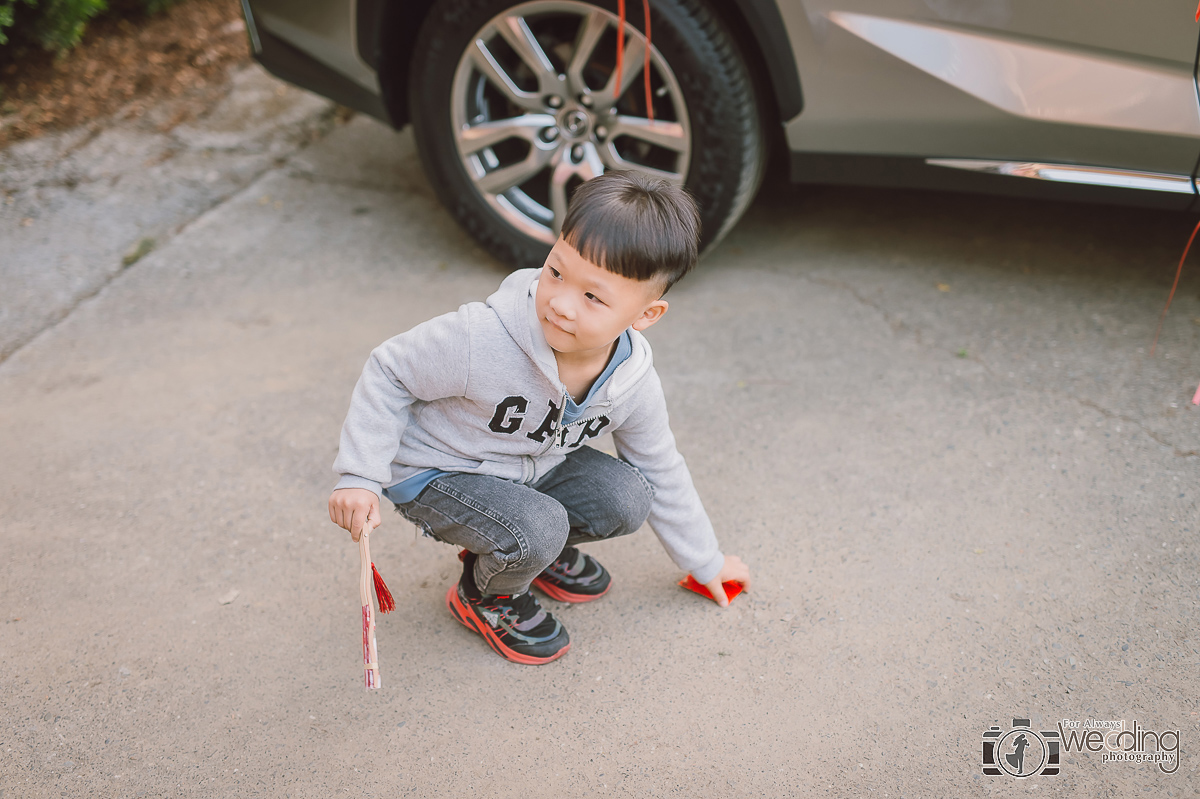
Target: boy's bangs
column 634, row 226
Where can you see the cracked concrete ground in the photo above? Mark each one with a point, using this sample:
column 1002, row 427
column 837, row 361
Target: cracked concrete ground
column 928, row 422
column 74, row 206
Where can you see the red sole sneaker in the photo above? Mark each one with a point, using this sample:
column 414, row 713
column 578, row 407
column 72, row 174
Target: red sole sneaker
column 562, row 595
column 468, row 619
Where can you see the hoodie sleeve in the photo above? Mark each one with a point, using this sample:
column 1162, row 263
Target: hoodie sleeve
column 676, row 514
column 431, row 361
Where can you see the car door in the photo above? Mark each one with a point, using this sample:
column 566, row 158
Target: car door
column 1079, row 82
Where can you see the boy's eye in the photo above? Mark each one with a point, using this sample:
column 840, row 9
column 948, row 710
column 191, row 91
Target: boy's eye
column 593, row 298
column 554, row 272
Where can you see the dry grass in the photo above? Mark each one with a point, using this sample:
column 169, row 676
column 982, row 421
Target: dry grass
column 123, row 66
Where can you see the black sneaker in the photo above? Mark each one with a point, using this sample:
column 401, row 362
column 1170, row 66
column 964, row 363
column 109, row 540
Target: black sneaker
column 574, row 577
column 516, row 627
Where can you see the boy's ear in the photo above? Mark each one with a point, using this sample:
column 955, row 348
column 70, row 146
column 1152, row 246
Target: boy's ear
column 654, row 311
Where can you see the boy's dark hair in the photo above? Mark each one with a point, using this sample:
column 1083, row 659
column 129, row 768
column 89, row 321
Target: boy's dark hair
column 635, row 225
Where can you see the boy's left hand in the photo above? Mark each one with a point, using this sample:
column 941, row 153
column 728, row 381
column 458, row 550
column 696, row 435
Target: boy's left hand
column 734, row 570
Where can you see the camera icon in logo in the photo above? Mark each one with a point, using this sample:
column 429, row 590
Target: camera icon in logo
column 1021, row 752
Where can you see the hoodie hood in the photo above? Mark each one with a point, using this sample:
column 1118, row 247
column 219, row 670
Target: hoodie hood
column 515, row 304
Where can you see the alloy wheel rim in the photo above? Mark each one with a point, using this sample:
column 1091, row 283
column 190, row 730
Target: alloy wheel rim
column 535, row 110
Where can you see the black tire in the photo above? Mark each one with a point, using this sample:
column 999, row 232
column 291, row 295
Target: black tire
column 728, row 150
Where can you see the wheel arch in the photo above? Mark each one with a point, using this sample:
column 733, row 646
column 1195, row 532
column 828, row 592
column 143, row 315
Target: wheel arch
column 393, row 41
column 387, row 36
column 759, row 30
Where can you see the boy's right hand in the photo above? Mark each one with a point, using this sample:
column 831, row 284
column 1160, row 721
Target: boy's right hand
column 733, row 570
column 352, row 508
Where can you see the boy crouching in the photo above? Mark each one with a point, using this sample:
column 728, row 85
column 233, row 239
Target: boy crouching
column 474, row 423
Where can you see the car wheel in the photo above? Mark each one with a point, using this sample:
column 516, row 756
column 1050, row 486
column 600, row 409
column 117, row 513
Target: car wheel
column 515, row 105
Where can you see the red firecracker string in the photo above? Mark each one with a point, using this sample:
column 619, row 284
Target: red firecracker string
column 371, row 672
column 365, row 570
column 386, row 603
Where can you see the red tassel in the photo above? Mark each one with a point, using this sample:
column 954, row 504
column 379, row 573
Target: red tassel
column 386, row 603
column 1198, row 13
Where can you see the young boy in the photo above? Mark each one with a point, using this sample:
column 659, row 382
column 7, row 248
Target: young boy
column 472, row 423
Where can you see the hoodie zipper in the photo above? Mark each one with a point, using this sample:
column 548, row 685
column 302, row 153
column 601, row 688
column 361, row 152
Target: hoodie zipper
column 607, row 406
column 587, row 419
column 562, row 408
column 552, row 438
column 529, row 462
column 558, row 424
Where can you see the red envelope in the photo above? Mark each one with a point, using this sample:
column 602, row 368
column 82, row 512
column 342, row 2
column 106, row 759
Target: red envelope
column 732, row 588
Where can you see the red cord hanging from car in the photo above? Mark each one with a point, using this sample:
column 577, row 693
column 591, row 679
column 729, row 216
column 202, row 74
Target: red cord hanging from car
column 1175, row 285
column 621, row 55
column 620, row 50
column 646, row 67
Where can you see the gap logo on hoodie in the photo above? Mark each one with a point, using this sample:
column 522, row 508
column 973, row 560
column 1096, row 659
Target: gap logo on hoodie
column 510, row 415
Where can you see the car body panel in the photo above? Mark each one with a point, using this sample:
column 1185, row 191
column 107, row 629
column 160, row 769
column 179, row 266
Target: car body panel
column 326, row 31
column 969, row 94
column 1039, row 81
column 1006, row 80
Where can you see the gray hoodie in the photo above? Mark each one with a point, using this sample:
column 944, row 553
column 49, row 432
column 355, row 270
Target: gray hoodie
column 477, row 391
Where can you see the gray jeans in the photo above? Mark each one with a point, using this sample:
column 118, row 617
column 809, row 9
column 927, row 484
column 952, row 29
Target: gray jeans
column 518, row 530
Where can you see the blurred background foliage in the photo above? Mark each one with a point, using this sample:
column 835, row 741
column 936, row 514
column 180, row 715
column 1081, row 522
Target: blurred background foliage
column 58, row 25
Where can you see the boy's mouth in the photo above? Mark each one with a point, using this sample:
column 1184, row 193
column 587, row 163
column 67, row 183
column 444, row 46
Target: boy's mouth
column 557, row 326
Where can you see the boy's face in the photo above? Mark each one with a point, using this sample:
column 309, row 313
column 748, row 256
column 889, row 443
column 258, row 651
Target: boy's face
column 583, row 307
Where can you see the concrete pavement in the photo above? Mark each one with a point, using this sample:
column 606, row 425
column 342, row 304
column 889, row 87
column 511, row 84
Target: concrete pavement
column 78, row 206
column 928, row 422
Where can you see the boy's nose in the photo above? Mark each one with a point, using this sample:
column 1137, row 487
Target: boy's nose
column 562, row 308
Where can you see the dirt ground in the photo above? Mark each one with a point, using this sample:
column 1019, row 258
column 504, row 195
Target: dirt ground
column 124, row 66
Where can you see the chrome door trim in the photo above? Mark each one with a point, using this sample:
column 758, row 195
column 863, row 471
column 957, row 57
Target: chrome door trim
column 1071, row 173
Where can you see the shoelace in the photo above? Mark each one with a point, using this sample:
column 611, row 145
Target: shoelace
column 522, row 611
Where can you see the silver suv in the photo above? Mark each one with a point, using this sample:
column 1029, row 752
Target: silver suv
column 514, row 103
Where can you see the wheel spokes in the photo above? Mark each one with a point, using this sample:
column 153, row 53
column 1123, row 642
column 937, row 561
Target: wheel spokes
column 558, row 194
column 590, row 33
column 635, row 55
column 664, row 134
column 486, row 134
column 501, row 180
column 516, row 32
column 613, row 160
column 486, row 63
column 590, row 166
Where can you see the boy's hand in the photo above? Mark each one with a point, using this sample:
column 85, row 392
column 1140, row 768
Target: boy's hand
column 734, row 570
column 351, row 508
